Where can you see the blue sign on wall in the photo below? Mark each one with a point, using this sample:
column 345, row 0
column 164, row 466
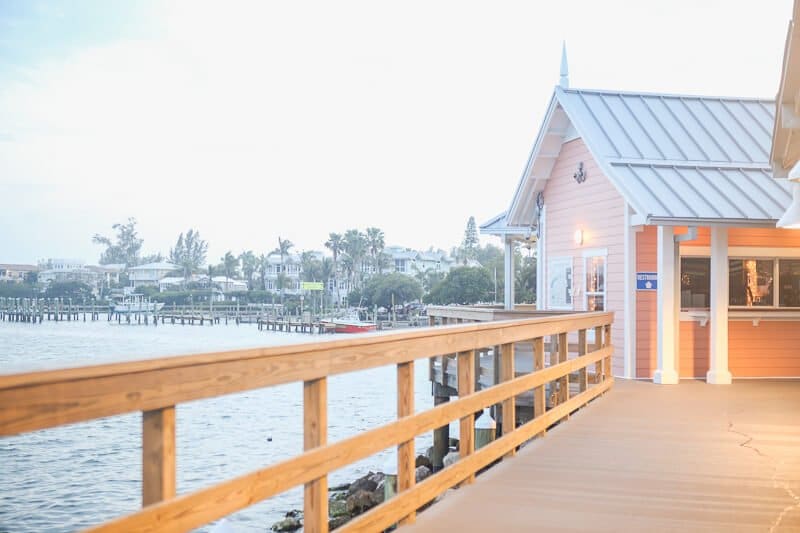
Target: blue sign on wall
column 646, row 281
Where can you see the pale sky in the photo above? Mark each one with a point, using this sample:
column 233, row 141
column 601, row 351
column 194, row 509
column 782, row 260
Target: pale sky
column 250, row 120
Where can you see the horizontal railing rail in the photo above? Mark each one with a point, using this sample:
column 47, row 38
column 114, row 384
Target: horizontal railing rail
column 47, row 399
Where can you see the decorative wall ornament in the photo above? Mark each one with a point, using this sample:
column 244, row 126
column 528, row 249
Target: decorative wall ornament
column 580, row 174
column 540, row 201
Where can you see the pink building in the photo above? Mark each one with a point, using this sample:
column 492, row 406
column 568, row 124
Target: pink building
column 663, row 208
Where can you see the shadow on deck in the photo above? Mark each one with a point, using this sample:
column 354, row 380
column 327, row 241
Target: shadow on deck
column 690, row 457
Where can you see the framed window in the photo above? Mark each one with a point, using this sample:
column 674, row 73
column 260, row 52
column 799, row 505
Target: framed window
column 559, row 283
column 695, row 282
column 596, row 283
column 789, row 283
column 751, row 282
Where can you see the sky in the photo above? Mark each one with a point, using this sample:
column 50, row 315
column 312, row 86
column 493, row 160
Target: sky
column 253, row 120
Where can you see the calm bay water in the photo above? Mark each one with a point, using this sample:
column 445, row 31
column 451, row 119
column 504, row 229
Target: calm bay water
column 71, row 477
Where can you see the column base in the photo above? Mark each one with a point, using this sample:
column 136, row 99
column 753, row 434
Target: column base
column 719, row 377
column 666, row 377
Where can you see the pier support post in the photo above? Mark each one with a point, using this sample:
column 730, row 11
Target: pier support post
column 441, row 435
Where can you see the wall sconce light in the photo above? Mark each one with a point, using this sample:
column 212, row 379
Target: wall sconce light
column 578, row 237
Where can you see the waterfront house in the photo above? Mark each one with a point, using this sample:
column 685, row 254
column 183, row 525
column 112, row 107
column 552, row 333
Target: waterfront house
column 663, row 209
column 151, row 273
column 227, row 284
column 15, row 273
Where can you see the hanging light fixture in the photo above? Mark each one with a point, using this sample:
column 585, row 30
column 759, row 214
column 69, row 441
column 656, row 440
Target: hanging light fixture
column 791, row 218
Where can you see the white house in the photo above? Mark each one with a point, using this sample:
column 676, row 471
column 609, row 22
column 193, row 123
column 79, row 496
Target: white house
column 15, row 273
column 151, row 273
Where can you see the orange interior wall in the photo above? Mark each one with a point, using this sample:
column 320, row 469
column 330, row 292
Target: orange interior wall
column 646, row 332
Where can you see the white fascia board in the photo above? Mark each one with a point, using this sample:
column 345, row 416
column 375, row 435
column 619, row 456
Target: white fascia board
column 537, row 145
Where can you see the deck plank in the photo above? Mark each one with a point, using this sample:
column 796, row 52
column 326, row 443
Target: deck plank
column 691, row 457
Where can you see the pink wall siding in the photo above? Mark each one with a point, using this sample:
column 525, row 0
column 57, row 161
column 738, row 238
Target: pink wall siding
column 598, row 209
column 646, row 311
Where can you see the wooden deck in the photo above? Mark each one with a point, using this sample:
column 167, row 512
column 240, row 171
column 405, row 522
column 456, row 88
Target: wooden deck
column 644, row 457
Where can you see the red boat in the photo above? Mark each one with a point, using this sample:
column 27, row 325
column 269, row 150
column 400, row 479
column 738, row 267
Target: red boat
column 349, row 326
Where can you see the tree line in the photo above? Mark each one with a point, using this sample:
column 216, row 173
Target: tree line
column 358, row 262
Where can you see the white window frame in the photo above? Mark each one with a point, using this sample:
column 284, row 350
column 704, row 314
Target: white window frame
column 591, row 254
column 557, row 265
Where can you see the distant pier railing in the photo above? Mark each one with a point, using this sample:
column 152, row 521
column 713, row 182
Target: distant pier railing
column 39, row 400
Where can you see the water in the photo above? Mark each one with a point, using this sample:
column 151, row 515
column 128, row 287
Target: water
column 71, row 477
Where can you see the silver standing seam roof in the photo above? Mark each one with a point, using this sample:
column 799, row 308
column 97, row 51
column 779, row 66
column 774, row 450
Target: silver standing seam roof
column 677, row 159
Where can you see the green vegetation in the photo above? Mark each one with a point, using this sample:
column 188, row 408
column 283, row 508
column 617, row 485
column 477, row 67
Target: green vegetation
column 382, row 290
column 69, row 289
column 462, row 285
column 126, row 247
column 189, row 252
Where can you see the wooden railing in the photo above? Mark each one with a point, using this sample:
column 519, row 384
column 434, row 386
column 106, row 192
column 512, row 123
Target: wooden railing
column 41, row 400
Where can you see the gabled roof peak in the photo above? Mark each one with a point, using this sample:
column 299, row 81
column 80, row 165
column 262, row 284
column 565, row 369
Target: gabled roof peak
column 650, row 94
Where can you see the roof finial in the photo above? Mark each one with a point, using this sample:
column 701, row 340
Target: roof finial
column 564, row 80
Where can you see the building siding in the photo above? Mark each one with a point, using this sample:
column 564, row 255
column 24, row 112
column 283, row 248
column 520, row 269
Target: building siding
column 646, row 305
column 597, row 208
column 766, row 350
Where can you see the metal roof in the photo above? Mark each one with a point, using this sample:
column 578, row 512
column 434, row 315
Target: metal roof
column 676, row 159
column 498, row 225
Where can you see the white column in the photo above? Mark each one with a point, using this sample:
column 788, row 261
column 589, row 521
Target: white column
column 666, row 372
column 540, row 261
column 718, row 372
column 508, row 274
column 630, row 297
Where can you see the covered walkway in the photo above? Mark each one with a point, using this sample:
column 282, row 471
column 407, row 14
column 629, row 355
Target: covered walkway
column 645, row 457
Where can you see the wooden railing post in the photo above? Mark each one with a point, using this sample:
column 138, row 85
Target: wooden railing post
column 583, row 376
column 315, row 433
column 539, row 399
column 158, row 455
column 563, row 383
column 598, row 343
column 609, row 370
column 406, row 470
column 466, row 386
column 509, row 406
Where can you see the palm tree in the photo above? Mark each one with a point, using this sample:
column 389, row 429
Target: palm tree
column 284, row 245
column 376, row 244
column 327, row 271
column 249, row 266
column 355, row 247
column 231, row 264
column 335, row 243
column 262, row 265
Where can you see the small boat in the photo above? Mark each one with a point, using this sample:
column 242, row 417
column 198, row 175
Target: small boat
column 346, row 325
column 136, row 303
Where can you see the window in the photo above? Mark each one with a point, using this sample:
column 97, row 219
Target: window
column 695, row 282
column 559, row 283
column 595, row 283
column 789, row 283
column 751, row 282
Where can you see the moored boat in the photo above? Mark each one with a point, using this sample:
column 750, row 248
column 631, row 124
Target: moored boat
column 349, row 326
column 136, row 303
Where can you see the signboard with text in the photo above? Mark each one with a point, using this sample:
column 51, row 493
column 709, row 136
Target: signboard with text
column 646, row 281
column 312, row 286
